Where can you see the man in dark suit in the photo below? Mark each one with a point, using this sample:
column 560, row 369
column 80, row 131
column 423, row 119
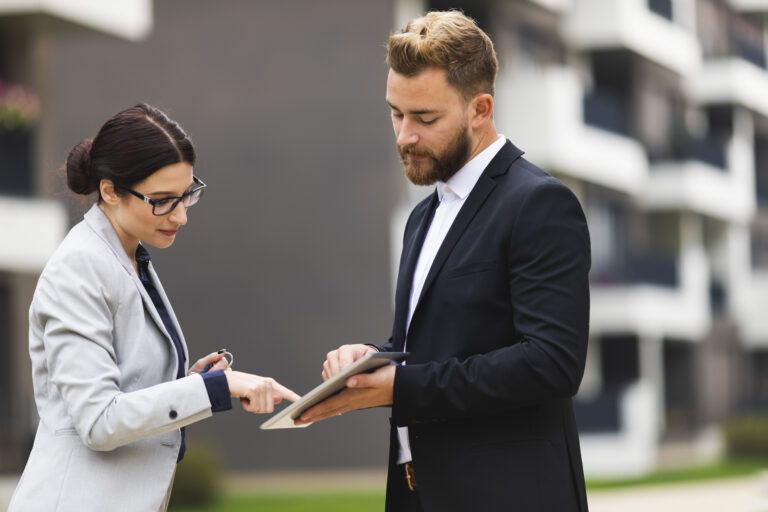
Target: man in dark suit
column 492, row 298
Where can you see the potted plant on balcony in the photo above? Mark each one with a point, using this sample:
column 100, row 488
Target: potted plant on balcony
column 19, row 112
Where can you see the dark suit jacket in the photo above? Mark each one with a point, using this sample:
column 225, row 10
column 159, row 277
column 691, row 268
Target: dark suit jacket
column 498, row 343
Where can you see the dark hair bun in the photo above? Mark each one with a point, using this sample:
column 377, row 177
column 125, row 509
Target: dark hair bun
column 80, row 178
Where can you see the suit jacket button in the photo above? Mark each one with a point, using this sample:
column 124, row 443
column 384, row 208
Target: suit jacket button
column 173, row 414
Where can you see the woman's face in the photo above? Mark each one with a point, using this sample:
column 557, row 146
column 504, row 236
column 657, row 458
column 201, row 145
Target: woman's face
column 134, row 218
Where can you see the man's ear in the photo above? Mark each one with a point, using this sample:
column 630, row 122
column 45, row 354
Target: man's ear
column 482, row 109
column 108, row 193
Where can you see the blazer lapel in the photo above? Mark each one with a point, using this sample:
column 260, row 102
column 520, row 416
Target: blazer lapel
column 409, row 258
column 171, row 313
column 100, row 224
column 150, row 306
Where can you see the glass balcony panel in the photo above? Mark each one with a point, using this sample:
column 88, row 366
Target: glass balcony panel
column 661, row 7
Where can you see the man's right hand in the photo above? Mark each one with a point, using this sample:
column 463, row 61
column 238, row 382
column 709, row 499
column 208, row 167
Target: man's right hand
column 343, row 356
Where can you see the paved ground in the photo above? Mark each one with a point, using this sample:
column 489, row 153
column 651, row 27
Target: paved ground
column 731, row 495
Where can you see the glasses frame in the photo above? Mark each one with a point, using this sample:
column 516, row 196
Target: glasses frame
column 177, row 199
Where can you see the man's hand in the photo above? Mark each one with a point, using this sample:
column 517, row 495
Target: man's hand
column 363, row 391
column 343, row 356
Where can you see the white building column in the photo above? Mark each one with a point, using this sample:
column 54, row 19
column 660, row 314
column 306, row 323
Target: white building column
column 651, row 347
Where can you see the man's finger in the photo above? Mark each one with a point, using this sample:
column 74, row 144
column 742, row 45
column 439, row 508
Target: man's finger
column 346, row 357
column 333, row 362
column 333, row 405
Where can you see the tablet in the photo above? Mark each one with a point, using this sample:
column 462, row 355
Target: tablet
column 367, row 363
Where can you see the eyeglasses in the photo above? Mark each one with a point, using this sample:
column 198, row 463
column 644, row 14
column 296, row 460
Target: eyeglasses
column 166, row 205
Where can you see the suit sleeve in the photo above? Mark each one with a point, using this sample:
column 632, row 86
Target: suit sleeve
column 74, row 305
column 548, row 258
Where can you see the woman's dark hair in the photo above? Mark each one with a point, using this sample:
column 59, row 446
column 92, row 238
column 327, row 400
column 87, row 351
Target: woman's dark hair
column 131, row 146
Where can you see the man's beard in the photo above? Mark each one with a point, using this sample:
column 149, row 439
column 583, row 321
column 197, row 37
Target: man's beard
column 437, row 167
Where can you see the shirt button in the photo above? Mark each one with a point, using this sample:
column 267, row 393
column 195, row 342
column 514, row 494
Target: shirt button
column 173, row 414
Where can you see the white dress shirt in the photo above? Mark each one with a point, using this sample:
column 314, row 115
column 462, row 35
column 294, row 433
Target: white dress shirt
column 452, row 194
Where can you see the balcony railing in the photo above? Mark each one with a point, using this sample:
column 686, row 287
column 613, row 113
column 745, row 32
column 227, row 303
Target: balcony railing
column 704, row 149
column 600, row 414
column 638, row 269
column 684, row 147
column 16, row 163
column 652, row 269
column 717, row 296
column 761, row 188
column 606, row 110
column 661, row 7
column 749, row 49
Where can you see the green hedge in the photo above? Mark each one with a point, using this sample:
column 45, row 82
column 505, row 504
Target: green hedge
column 198, row 481
column 747, row 436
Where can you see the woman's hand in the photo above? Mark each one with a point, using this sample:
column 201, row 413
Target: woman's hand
column 257, row 394
column 216, row 359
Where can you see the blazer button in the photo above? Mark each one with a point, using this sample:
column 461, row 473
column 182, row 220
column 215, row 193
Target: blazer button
column 173, row 414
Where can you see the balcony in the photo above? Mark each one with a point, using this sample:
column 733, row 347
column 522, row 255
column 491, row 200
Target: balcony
column 605, row 110
column 600, row 414
column 661, row 7
column 651, row 290
column 753, row 322
column 749, row 49
column 749, row 5
column 15, row 162
column 735, row 73
column 544, row 113
column 630, row 449
column 650, row 269
column 641, row 26
column 700, row 187
column 128, row 19
column 555, row 5
column 32, row 229
column 705, row 150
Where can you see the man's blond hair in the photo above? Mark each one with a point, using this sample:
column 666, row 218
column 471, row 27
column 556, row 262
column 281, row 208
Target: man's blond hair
column 451, row 41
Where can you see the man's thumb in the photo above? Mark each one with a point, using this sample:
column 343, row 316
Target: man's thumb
column 358, row 381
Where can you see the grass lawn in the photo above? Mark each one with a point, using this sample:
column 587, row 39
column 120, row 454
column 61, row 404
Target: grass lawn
column 373, row 501
column 724, row 469
column 352, row 501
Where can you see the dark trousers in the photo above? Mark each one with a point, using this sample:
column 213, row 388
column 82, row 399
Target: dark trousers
column 401, row 498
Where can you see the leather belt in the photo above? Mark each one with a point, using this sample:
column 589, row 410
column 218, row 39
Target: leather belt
column 410, row 476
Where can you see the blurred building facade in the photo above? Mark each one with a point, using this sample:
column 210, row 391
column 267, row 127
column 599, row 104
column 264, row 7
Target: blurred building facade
column 652, row 111
column 32, row 220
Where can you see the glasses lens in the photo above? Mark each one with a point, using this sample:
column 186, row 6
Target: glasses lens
column 164, row 207
column 193, row 198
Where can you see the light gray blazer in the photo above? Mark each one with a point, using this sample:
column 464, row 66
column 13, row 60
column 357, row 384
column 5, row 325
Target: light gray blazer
column 104, row 373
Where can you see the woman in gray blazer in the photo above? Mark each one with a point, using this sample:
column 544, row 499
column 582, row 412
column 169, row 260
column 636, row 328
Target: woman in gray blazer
column 109, row 361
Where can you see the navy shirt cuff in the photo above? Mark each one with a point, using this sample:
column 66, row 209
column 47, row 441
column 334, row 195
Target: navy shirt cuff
column 218, row 390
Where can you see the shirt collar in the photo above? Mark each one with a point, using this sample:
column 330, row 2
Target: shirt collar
column 142, row 255
column 461, row 184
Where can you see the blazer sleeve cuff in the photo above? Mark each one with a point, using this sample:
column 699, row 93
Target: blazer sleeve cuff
column 218, row 390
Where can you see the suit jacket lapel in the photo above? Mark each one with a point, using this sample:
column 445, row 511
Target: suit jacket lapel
column 410, row 256
column 485, row 184
column 473, row 203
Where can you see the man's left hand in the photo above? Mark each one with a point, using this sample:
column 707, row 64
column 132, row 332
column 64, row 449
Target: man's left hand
column 363, row 391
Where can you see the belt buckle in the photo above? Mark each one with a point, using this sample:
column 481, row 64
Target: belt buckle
column 410, row 476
